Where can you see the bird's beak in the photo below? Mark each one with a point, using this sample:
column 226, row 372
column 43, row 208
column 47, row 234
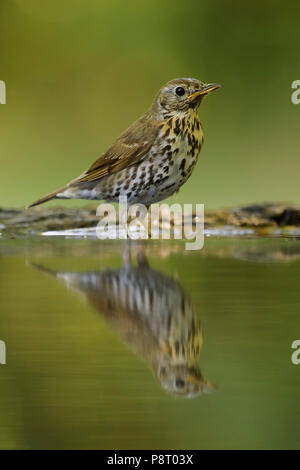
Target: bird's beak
column 207, row 89
column 206, row 385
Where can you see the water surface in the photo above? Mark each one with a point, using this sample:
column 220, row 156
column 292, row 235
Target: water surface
column 158, row 348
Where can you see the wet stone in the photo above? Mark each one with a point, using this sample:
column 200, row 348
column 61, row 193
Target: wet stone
column 264, row 219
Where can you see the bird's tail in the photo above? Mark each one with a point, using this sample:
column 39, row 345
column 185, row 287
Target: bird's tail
column 46, row 198
column 51, row 272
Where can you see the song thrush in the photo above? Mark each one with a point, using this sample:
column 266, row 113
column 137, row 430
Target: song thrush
column 154, row 157
column 153, row 315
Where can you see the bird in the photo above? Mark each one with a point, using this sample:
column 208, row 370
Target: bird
column 154, row 157
column 153, row 315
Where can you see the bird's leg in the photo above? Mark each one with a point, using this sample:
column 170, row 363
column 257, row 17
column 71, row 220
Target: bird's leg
column 126, row 252
column 149, row 219
column 142, row 259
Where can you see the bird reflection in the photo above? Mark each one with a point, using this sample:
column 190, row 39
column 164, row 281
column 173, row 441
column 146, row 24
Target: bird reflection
column 153, row 315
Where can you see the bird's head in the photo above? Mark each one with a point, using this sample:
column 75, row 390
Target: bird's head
column 184, row 380
column 181, row 94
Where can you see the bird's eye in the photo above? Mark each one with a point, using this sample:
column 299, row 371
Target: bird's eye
column 179, row 383
column 180, row 91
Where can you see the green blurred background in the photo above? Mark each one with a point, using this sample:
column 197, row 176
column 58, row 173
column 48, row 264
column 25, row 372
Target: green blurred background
column 79, row 72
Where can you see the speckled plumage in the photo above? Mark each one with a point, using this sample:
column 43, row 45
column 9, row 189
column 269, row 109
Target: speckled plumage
column 154, row 157
column 153, row 315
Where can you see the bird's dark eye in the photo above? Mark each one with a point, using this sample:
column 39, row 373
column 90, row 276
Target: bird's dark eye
column 179, row 383
column 180, row 91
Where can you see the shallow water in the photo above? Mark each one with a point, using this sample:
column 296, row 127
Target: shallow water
column 173, row 350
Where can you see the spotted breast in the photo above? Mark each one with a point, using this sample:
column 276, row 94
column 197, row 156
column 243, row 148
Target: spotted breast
column 165, row 169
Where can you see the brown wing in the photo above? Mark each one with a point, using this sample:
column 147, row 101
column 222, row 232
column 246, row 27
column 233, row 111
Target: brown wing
column 129, row 148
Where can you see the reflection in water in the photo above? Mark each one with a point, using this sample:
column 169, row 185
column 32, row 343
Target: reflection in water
column 153, row 315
